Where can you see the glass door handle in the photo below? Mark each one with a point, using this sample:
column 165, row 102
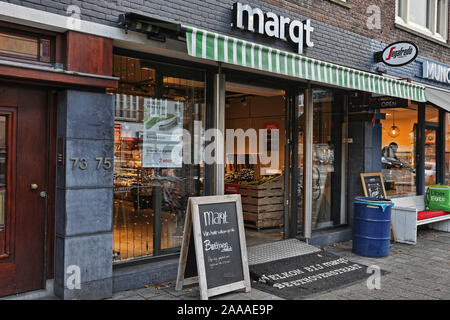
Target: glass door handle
column 34, row 186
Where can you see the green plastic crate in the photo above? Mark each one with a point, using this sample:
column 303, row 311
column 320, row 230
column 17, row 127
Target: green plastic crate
column 437, row 198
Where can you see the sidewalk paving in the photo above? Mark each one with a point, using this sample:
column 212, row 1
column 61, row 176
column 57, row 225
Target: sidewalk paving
column 420, row 272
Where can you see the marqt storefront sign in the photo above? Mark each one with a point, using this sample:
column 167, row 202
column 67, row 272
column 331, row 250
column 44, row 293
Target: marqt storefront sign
column 268, row 23
column 398, row 54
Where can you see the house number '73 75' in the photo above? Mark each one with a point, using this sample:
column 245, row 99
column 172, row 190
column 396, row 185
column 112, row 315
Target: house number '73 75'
column 82, row 163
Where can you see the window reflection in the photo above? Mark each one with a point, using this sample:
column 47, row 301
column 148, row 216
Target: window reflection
column 154, row 104
column 430, row 157
column 447, row 148
column 398, row 143
column 431, row 114
column 329, row 118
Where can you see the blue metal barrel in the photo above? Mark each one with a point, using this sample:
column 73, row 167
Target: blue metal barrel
column 372, row 227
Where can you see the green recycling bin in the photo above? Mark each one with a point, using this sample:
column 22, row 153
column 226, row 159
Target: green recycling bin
column 437, row 198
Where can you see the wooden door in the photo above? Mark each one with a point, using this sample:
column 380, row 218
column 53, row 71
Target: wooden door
column 23, row 120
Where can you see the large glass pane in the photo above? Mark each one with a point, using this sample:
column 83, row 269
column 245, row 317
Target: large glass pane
column 399, row 7
column 327, row 159
column 441, row 21
column 418, row 10
column 160, row 114
column 447, row 148
column 301, row 129
column 431, row 114
column 398, row 143
column 430, row 157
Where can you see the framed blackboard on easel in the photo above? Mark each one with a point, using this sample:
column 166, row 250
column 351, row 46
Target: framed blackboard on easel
column 214, row 251
column 373, row 185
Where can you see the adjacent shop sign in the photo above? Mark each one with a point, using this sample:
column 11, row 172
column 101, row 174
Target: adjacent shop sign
column 387, row 102
column 436, row 72
column 268, row 23
column 398, row 54
column 163, row 134
column 214, row 250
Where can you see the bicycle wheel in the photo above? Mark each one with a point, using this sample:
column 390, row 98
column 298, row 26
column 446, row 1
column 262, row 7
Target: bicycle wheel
column 317, row 190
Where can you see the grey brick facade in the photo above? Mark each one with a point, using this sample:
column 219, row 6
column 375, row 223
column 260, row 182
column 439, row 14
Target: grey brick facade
column 331, row 43
column 84, row 230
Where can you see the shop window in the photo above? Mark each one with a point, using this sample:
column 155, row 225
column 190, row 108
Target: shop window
column 430, row 157
column 327, row 190
column 160, row 113
column 428, row 17
column 431, row 114
column 21, row 46
column 398, row 143
column 447, row 148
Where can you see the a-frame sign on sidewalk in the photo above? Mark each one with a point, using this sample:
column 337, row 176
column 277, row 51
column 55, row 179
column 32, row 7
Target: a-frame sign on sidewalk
column 214, row 251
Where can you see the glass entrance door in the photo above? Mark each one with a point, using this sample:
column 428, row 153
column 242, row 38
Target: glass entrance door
column 321, row 179
column 255, row 149
column 329, row 159
column 430, row 156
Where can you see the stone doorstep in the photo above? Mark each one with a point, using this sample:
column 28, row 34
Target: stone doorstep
column 33, row 295
column 43, row 294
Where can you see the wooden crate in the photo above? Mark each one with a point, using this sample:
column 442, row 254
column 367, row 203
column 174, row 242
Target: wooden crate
column 263, row 205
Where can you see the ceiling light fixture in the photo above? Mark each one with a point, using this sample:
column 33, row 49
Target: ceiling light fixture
column 394, row 131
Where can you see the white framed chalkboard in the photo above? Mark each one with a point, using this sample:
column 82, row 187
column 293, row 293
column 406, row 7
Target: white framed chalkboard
column 214, row 250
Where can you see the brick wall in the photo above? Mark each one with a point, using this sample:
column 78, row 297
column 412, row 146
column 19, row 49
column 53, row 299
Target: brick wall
column 355, row 20
column 341, row 35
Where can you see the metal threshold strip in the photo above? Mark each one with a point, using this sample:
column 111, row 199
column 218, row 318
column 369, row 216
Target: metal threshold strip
column 279, row 250
column 217, row 47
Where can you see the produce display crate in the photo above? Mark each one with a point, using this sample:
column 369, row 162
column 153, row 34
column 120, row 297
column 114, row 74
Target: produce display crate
column 263, row 205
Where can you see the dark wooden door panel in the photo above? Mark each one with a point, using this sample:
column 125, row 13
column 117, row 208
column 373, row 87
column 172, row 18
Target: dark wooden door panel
column 26, row 225
column 7, row 279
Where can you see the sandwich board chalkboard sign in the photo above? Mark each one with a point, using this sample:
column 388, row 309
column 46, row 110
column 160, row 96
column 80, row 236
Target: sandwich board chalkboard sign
column 214, row 251
column 373, row 185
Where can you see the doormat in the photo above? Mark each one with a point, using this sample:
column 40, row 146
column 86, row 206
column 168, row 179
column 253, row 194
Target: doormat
column 298, row 277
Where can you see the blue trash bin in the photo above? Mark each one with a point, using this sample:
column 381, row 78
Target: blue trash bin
column 372, row 227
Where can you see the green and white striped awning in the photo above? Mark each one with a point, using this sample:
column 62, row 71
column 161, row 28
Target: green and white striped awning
column 221, row 48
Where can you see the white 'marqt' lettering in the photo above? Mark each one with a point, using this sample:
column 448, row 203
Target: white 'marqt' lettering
column 272, row 25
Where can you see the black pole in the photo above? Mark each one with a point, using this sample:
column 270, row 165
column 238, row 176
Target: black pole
column 287, row 166
column 157, row 221
column 420, row 150
column 295, row 171
column 441, row 146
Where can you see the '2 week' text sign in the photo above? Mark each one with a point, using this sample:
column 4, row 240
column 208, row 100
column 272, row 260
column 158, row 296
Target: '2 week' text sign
column 216, row 255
